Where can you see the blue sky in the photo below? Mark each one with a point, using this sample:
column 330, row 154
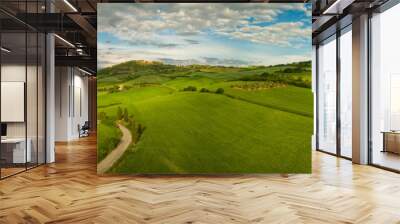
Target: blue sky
column 216, row 34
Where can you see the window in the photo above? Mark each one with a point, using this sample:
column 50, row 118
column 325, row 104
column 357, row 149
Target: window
column 385, row 89
column 327, row 96
column 22, row 77
column 346, row 93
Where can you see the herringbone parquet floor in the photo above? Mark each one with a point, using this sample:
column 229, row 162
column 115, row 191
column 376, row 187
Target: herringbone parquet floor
column 69, row 191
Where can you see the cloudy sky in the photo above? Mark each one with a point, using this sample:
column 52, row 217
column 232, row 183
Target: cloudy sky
column 216, row 34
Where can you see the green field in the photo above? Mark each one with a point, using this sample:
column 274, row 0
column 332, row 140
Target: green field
column 108, row 138
column 207, row 119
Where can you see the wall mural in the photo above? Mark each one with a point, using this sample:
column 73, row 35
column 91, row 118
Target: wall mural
column 204, row 88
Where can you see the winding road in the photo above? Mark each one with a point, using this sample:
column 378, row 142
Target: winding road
column 113, row 156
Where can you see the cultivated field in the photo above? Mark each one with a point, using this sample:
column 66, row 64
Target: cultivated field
column 207, row 119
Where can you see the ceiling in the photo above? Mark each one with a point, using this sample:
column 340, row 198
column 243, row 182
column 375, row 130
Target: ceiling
column 331, row 15
column 75, row 23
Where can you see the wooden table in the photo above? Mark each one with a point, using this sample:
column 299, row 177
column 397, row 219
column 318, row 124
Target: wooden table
column 391, row 141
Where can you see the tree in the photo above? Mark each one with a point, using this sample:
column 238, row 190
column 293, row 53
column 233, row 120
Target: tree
column 132, row 122
column 220, row 91
column 265, row 74
column 126, row 115
column 190, row 88
column 140, row 130
column 119, row 113
column 204, row 90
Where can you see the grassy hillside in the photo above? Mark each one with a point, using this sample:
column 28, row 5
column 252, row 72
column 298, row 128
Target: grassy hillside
column 108, row 137
column 207, row 119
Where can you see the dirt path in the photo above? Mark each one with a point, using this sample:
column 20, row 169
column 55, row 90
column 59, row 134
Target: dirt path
column 111, row 158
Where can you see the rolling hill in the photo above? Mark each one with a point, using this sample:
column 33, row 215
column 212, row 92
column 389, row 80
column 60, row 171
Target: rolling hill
column 208, row 119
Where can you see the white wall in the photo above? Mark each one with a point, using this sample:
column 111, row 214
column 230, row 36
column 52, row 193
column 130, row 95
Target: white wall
column 13, row 72
column 62, row 81
column 13, row 101
column 314, row 90
column 16, row 73
column 80, row 110
column 71, row 94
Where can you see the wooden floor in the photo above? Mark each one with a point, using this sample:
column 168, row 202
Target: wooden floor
column 387, row 159
column 5, row 172
column 69, row 191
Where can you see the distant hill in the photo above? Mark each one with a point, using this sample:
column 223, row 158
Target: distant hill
column 134, row 69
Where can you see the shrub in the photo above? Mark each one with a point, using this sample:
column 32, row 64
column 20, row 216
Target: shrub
column 190, row 88
column 113, row 89
column 219, row 91
column 265, row 74
column 126, row 87
column 293, row 70
column 204, row 90
column 125, row 115
column 119, row 113
column 140, row 130
column 251, row 86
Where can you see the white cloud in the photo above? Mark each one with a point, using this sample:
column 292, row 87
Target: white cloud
column 282, row 33
column 182, row 32
column 143, row 23
column 219, row 55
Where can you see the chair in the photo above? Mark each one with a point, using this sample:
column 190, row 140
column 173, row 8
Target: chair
column 84, row 130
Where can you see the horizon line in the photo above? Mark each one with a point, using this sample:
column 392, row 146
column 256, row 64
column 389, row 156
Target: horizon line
column 162, row 62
